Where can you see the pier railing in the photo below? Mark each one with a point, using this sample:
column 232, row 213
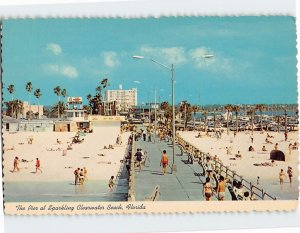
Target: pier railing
column 131, row 192
column 194, row 153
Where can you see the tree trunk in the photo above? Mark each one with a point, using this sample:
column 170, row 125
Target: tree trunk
column 252, row 128
column 261, row 124
column 236, row 123
column 214, row 121
column 285, row 120
column 227, row 122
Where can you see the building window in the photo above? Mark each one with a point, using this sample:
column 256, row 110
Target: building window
column 76, row 114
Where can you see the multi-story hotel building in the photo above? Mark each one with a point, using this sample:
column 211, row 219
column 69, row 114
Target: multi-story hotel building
column 125, row 99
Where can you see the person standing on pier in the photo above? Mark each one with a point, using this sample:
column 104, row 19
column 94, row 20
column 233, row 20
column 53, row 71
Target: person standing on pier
column 138, row 156
column 221, row 189
column 207, row 190
column 164, row 162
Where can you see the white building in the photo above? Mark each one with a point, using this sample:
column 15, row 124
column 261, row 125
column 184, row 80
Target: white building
column 34, row 108
column 125, row 99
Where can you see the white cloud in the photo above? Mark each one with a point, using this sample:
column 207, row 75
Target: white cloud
column 216, row 64
column 165, row 55
column 138, row 82
column 63, row 70
column 69, row 71
column 110, row 58
column 54, row 48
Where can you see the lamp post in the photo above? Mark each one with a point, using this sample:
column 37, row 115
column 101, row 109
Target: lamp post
column 155, row 112
column 171, row 69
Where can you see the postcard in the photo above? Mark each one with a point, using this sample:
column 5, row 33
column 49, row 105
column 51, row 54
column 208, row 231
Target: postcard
column 149, row 115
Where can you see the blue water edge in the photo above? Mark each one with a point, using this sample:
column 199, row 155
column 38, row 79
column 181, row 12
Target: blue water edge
column 91, row 191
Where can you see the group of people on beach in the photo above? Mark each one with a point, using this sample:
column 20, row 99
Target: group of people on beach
column 80, row 176
column 16, row 164
column 282, row 175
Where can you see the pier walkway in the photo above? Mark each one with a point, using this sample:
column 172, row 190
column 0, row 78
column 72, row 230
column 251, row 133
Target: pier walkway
column 182, row 185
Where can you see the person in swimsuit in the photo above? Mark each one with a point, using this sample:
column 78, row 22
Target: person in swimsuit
column 207, row 190
column 281, row 176
column 221, row 189
column 111, row 183
column 38, row 165
column 164, row 162
column 16, row 164
column 290, row 173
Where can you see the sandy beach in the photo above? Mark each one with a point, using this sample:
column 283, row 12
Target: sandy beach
column 100, row 163
column 269, row 180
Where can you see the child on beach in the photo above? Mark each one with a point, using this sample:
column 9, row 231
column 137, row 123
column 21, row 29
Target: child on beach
column 16, row 164
column 111, row 183
column 164, row 162
column 38, row 165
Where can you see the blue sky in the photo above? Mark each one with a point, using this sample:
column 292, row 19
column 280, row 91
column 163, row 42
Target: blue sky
column 254, row 57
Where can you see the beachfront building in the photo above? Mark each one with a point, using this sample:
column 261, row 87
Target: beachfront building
column 75, row 117
column 125, row 99
column 108, row 108
column 37, row 110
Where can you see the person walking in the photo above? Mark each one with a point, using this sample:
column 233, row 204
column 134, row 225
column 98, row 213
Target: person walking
column 164, row 162
column 138, row 156
column 144, row 135
column 38, row 165
column 207, row 190
column 16, row 164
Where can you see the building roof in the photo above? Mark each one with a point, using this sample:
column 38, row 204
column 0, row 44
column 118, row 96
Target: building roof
column 8, row 119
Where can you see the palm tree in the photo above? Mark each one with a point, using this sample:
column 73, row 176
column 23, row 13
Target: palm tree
column 205, row 120
column 58, row 109
column 29, row 90
column 195, row 109
column 14, row 108
column 236, row 109
column 260, row 108
column 57, row 91
column 89, row 98
column 185, row 108
column 164, row 106
column 228, row 107
column 11, row 90
column 285, row 120
column 252, row 112
column 64, row 94
column 37, row 93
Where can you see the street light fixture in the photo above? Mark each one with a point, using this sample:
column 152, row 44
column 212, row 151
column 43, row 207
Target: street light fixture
column 207, row 56
column 173, row 104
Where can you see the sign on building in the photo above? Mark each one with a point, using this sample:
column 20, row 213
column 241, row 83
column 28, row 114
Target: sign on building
column 75, row 100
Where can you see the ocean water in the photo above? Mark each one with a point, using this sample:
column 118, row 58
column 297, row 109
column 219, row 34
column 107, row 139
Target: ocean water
column 97, row 191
